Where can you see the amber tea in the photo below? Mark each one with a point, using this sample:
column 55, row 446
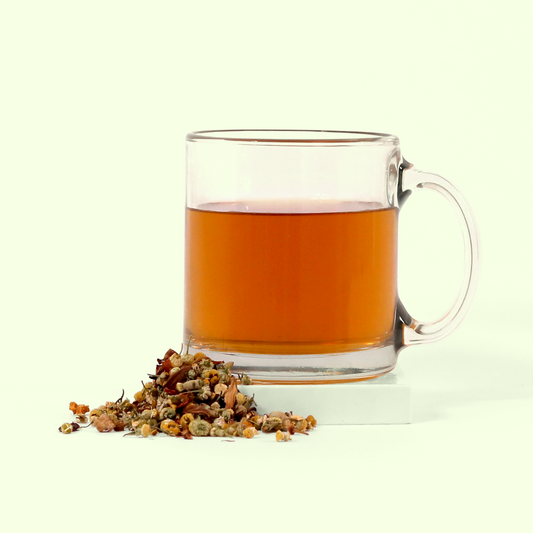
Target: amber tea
column 282, row 278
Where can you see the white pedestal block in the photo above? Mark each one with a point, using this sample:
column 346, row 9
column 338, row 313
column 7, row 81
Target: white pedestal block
column 383, row 400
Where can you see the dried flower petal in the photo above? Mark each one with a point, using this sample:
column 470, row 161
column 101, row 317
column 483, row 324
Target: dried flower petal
column 249, row 433
column 282, row 437
column 81, row 409
column 231, row 394
column 104, row 423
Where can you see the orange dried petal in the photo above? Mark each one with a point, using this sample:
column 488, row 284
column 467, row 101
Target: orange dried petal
column 82, row 409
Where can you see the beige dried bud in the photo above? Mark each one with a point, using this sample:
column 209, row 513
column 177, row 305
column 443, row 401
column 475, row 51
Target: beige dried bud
column 270, row 424
column 94, row 414
column 246, row 380
column 104, row 424
column 176, row 361
column 174, row 371
column 188, row 359
column 227, row 414
column 192, row 384
column 199, row 427
column 220, row 388
column 278, row 414
column 204, row 393
column 220, row 423
column 240, row 411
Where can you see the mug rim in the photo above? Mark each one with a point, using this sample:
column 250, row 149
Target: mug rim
column 292, row 137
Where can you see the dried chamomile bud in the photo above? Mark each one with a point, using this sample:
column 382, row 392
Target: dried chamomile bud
column 186, row 419
column 246, row 380
column 167, row 412
column 199, row 427
column 257, row 421
column 149, row 413
column 126, row 405
column 270, row 424
column 176, row 360
column 161, row 380
column 170, row 427
column 227, row 414
column 188, row 359
column 94, row 414
column 204, row 393
column 211, row 375
column 206, row 363
column 220, row 388
column 217, row 433
column 220, row 423
column 174, row 371
column 192, row 384
column 240, row 411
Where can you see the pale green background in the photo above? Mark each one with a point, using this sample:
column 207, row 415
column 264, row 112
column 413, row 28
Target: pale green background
column 96, row 99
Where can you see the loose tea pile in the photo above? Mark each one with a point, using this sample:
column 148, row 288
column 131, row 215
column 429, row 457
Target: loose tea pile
column 189, row 395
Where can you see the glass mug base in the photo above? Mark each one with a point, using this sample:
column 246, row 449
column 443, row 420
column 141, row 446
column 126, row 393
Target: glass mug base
column 299, row 369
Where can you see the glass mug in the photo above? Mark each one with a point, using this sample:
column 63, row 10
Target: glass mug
column 291, row 253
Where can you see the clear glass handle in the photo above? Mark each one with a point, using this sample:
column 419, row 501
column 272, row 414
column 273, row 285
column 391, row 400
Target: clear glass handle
column 414, row 331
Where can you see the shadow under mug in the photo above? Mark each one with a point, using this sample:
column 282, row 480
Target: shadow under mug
column 291, row 253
